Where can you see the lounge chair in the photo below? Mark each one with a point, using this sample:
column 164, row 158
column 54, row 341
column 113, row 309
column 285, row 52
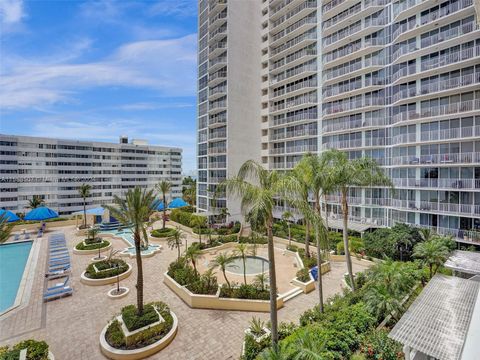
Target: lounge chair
column 16, row 237
column 55, row 274
column 58, row 248
column 60, row 285
column 55, row 294
column 57, row 267
column 59, row 261
column 27, row 236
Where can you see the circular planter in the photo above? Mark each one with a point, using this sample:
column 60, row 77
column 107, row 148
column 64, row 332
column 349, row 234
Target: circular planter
column 110, row 280
column 117, row 354
column 91, row 252
column 96, row 259
column 111, row 295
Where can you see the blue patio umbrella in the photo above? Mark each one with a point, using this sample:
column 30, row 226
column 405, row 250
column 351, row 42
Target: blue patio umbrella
column 160, row 206
column 41, row 213
column 11, row 217
column 95, row 211
column 177, row 203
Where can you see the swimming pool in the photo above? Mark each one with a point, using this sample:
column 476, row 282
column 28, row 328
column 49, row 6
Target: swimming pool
column 13, row 258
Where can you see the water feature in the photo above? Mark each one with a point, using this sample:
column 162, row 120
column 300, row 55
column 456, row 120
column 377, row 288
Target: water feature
column 127, row 235
column 254, row 265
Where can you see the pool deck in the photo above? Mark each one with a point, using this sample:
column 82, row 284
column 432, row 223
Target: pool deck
column 72, row 325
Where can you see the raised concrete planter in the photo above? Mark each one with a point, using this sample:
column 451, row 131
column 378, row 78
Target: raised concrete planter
column 91, row 252
column 96, row 259
column 110, row 280
column 307, row 287
column 111, row 295
column 117, row 354
column 197, row 301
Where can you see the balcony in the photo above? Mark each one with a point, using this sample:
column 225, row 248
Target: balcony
column 217, row 120
column 450, row 58
column 441, row 110
column 468, row 184
column 217, row 135
column 294, row 89
column 217, row 63
column 216, row 106
column 218, row 34
column 447, row 134
column 304, row 116
column 296, row 28
column 297, row 12
column 294, row 59
column 300, row 41
column 301, row 149
column 217, row 150
column 294, row 134
column 217, row 77
column 343, row 144
column 333, row 8
column 217, row 165
column 345, row 106
column 404, row 138
column 437, row 159
column 277, row 151
column 347, row 125
column 217, row 49
column 309, row 99
column 217, row 20
column 217, row 92
column 304, row 69
column 216, row 5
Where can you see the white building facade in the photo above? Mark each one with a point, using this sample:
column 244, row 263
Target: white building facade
column 395, row 80
column 54, row 169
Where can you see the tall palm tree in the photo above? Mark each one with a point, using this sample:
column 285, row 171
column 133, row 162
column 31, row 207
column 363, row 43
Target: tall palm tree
column 315, row 169
column 426, row 234
column 175, row 240
column 5, row 228
column 135, row 209
column 257, row 189
column 347, row 174
column 35, row 202
column 199, row 222
column 193, row 253
column 241, row 251
column 300, row 178
column 84, row 192
column 287, row 216
column 221, row 261
column 164, row 187
column 433, row 253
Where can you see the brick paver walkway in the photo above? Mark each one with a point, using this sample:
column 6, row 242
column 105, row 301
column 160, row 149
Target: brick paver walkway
column 72, row 325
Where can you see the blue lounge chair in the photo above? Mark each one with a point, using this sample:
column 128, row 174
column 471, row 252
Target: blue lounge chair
column 56, row 294
column 16, row 237
column 59, row 261
column 55, row 274
column 56, row 267
column 58, row 248
column 27, row 236
column 60, row 285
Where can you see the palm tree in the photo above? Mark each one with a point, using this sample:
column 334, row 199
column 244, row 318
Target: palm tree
column 35, row 202
column 426, row 234
column 135, row 209
column 241, row 251
column 221, row 261
column 316, row 174
column 257, row 189
column 5, row 228
column 84, row 192
column 347, row 174
column 193, row 253
column 382, row 302
column 199, row 222
column 224, row 213
column 189, row 190
column 287, row 216
column 433, row 253
column 175, row 240
column 164, row 187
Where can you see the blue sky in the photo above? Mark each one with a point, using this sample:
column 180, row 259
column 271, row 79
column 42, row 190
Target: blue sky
column 97, row 69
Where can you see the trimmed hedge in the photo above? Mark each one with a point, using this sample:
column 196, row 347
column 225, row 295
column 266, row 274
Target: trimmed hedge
column 116, row 338
column 162, row 233
column 133, row 321
column 36, row 350
column 184, row 274
column 94, row 246
column 106, row 269
column 248, row 291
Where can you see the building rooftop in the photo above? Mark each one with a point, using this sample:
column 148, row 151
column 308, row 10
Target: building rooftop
column 464, row 261
column 438, row 321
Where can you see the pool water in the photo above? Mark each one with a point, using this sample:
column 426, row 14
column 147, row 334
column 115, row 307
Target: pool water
column 13, row 258
column 253, row 264
column 127, row 235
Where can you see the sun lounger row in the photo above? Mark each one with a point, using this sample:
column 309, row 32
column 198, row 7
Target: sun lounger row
column 58, row 266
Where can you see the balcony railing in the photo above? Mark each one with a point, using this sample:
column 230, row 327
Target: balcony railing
column 448, row 34
column 310, row 4
column 353, row 105
column 342, row 144
column 301, row 148
column 297, row 40
column 454, row 108
column 444, row 134
column 329, row 6
column 438, row 183
column 404, row 5
column 311, row 115
column 348, row 124
column 446, row 159
column 450, row 58
column 305, row 21
column 295, row 71
column 295, row 56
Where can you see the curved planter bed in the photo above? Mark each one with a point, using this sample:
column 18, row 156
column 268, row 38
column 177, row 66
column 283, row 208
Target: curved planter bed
column 111, row 295
column 109, row 280
column 117, row 354
column 93, row 251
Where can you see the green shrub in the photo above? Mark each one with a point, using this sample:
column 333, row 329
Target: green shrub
column 254, row 348
column 181, row 271
column 36, row 350
column 377, row 345
column 181, row 216
column 162, row 233
column 92, row 246
column 133, row 321
column 303, row 275
column 243, row 291
column 116, row 338
column 106, row 269
column 293, row 248
column 355, row 244
column 206, row 284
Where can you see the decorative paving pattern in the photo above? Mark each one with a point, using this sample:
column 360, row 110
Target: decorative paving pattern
column 72, row 325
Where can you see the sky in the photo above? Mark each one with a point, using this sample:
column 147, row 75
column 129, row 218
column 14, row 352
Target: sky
column 94, row 70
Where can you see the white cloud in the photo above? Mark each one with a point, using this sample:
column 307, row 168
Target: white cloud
column 167, row 66
column 154, row 106
column 181, row 8
column 11, row 11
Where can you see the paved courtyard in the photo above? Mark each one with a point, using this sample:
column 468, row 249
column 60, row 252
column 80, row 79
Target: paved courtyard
column 72, row 325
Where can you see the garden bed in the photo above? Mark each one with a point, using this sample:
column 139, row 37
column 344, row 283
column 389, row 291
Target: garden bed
column 34, row 350
column 104, row 272
column 129, row 336
column 162, row 233
column 84, row 248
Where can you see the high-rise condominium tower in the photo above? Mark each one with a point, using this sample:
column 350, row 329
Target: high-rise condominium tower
column 395, row 80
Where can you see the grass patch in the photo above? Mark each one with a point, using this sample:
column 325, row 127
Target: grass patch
column 133, row 321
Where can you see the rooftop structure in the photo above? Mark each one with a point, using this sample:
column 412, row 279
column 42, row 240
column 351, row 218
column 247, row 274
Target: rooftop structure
column 54, row 169
column 464, row 262
column 439, row 321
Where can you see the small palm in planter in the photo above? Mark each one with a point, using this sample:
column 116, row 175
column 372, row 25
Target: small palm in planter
column 258, row 329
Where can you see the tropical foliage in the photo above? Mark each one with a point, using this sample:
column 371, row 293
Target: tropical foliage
column 35, row 202
column 434, row 252
column 5, row 228
column 84, row 192
column 163, row 188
